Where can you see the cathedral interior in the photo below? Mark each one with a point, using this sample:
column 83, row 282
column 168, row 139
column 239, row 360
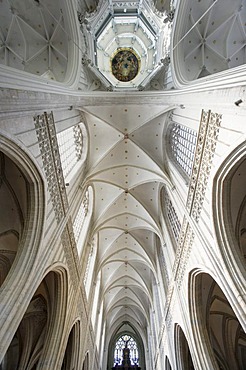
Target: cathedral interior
column 122, row 184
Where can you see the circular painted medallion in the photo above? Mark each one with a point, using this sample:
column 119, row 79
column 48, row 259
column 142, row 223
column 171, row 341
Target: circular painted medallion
column 125, row 65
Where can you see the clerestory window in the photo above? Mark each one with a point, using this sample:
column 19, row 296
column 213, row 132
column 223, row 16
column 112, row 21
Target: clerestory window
column 70, row 143
column 80, row 217
column 174, row 223
column 183, row 145
column 81, row 222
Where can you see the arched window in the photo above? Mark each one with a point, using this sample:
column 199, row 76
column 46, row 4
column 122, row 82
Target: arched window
column 71, row 147
column 163, row 265
column 82, row 213
column 89, row 269
column 182, row 145
column 171, row 215
column 222, row 338
column 126, row 341
column 82, row 219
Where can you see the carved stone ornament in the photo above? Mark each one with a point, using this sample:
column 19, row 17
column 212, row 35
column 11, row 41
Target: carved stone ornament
column 70, row 249
column 185, row 242
column 46, row 134
column 169, row 16
column 205, row 149
column 166, row 61
column 140, row 88
column 85, row 61
column 125, row 5
column 110, row 88
column 78, row 139
column 169, row 306
column 82, row 18
column 163, row 265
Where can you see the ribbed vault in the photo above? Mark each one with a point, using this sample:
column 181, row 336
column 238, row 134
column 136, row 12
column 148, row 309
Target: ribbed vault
column 126, row 170
column 210, row 38
column 34, row 37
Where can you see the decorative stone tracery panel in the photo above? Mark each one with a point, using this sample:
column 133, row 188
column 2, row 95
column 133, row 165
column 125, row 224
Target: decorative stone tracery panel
column 185, row 242
column 205, row 149
column 46, row 133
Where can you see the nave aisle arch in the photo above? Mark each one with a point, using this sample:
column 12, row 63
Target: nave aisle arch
column 219, row 338
column 183, row 355
column 72, row 352
column 37, row 337
column 31, row 192
column 229, row 214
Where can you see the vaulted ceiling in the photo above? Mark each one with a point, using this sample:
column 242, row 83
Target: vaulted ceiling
column 33, row 38
column 126, row 169
column 210, row 38
column 126, row 161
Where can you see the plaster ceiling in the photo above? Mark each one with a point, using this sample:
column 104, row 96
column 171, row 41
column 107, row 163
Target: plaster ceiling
column 33, row 37
column 126, row 170
column 212, row 37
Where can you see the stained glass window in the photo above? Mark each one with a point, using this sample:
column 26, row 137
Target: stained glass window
column 129, row 342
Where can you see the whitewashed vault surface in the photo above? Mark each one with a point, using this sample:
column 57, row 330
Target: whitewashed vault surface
column 126, row 170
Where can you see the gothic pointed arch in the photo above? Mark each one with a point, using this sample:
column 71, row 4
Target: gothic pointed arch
column 167, row 364
column 183, row 356
column 129, row 330
column 71, row 356
column 39, row 324
column 22, row 190
column 86, row 362
column 221, row 340
column 17, row 199
column 229, row 212
column 14, row 189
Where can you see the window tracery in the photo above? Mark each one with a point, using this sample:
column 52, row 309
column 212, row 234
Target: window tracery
column 123, row 342
column 171, row 215
column 183, row 145
column 88, row 265
column 70, row 143
column 79, row 219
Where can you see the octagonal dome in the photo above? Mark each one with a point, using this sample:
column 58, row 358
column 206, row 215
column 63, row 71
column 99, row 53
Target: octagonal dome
column 134, row 42
column 134, row 32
